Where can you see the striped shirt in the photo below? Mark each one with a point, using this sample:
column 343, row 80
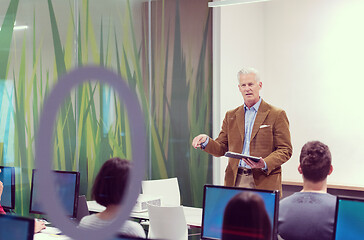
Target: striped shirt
column 129, row 228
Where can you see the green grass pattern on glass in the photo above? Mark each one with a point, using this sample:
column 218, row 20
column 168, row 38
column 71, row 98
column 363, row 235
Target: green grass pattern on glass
column 181, row 101
column 83, row 139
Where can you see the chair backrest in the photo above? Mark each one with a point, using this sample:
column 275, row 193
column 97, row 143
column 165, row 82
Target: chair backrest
column 167, row 223
column 168, row 189
column 82, row 209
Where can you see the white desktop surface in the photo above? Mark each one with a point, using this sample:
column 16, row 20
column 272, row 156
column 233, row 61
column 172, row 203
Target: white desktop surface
column 193, row 218
column 51, row 230
column 46, row 236
column 93, row 206
column 193, row 215
column 50, row 233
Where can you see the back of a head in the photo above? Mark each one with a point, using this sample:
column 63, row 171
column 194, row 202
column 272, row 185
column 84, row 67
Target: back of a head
column 111, row 182
column 245, row 217
column 315, row 161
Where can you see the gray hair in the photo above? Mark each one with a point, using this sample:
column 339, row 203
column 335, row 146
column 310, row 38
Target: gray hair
column 248, row 70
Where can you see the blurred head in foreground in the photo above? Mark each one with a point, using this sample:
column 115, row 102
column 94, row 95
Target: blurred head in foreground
column 245, row 217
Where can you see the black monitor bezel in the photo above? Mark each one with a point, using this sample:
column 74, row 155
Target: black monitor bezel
column 29, row 220
column 77, row 190
column 276, row 207
column 338, row 198
column 12, row 188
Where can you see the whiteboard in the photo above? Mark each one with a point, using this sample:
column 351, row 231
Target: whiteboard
column 310, row 54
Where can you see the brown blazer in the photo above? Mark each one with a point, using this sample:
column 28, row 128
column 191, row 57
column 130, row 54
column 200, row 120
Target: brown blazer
column 270, row 139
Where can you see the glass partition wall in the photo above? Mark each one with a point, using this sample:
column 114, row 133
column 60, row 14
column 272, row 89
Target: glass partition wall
column 161, row 48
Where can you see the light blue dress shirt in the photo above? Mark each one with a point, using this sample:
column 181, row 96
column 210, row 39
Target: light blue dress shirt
column 250, row 115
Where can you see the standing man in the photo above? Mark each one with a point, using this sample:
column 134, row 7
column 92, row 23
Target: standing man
column 256, row 128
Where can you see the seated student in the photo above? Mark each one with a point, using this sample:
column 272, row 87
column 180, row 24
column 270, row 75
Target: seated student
column 310, row 214
column 38, row 226
column 245, row 217
column 108, row 191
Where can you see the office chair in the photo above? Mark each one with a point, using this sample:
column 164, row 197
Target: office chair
column 167, row 189
column 167, row 223
column 82, row 209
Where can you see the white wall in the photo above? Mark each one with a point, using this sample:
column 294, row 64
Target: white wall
column 240, row 44
column 310, row 54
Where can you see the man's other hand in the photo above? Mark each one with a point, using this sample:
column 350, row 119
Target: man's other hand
column 252, row 164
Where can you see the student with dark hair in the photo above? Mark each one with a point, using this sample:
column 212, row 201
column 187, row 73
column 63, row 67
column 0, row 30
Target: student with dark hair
column 245, row 218
column 108, row 190
column 310, row 214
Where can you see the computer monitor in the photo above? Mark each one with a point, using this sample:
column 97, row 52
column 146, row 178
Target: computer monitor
column 67, row 185
column 7, row 177
column 15, row 227
column 215, row 200
column 349, row 218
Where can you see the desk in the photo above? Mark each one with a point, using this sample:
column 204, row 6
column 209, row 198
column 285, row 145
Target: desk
column 50, row 233
column 46, row 236
column 193, row 215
